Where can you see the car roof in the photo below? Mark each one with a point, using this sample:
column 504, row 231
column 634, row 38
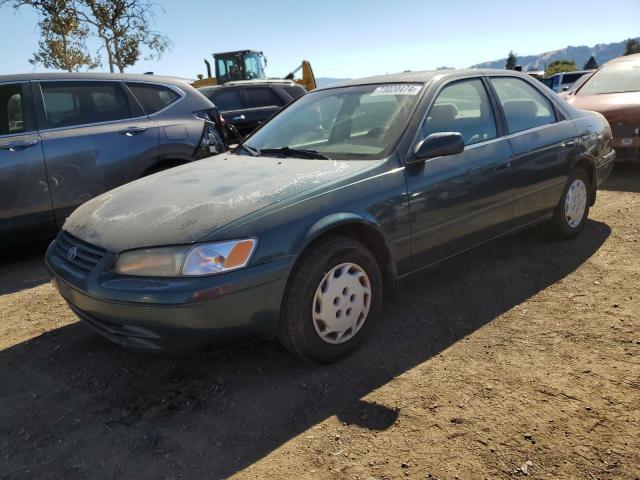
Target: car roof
column 25, row 77
column 250, row 83
column 626, row 58
column 420, row 77
column 583, row 72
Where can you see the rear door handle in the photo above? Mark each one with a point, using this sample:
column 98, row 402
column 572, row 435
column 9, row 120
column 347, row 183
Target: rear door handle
column 569, row 143
column 15, row 146
column 502, row 166
column 131, row 131
column 239, row 117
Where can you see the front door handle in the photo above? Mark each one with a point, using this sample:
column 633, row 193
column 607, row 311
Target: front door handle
column 239, row 117
column 131, row 131
column 502, row 166
column 15, row 146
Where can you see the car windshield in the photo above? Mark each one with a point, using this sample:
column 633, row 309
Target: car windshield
column 362, row 122
column 616, row 77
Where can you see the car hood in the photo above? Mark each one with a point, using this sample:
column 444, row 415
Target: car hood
column 614, row 106
column 183, row 204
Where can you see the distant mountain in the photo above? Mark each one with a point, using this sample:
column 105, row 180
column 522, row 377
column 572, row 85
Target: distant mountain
column 603, row 52
column 324, row 81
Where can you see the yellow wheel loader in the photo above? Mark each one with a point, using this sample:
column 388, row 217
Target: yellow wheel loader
column 248, row 65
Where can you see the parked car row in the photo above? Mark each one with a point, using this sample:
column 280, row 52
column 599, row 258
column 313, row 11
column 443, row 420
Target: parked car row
column 67, row 138
column 248, row 104
column 614, row 91
column 302, row 230
column 328, row 200
column 563, row 81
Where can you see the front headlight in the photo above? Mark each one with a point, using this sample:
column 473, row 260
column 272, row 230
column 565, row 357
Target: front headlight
column 198, row 260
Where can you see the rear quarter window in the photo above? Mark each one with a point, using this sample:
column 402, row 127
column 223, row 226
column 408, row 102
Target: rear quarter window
column 153, row 98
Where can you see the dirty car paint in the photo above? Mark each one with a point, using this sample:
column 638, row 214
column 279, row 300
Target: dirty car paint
column 183, row 204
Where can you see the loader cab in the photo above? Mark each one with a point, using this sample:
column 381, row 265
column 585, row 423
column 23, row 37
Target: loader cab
column 240, row 65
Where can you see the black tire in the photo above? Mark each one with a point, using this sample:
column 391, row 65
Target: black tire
column 559, row 225
column 297, row 332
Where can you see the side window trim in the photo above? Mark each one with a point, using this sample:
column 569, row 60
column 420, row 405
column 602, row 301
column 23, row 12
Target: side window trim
column 41, row 118
column 28, row 111
column 498, row 113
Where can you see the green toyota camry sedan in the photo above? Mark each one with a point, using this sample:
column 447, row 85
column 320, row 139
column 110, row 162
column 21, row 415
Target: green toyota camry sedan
column 304, row 229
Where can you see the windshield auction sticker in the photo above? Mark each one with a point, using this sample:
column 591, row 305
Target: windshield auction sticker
column 402, row 89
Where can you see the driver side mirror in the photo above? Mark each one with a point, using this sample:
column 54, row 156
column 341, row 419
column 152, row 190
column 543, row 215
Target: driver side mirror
column 438, row 145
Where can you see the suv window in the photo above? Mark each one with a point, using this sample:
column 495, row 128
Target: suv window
column 80, row 103
column 462, row 107
column 524, row 106
column 11, row 112
column 295, row 92
column 226, row 100
column 262, row 97
column 153, row 98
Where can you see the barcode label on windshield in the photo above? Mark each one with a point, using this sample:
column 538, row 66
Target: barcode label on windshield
column 397, row 90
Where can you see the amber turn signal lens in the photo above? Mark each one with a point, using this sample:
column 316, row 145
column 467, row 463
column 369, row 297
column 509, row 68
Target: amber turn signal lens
column 239, row 254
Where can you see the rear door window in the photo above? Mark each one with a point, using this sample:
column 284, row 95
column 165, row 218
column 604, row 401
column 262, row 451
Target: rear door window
column 524, row 106
column 80, row 103
column 227, row 99
column 11, row 109
column 262, row 97
column 153, row 98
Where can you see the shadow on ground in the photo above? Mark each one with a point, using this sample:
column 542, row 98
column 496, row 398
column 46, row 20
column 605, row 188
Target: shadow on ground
column 624, row 178
column 22, row 267
column 74, row 406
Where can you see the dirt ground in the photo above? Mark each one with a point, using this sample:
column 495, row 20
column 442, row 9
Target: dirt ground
column 521, row 358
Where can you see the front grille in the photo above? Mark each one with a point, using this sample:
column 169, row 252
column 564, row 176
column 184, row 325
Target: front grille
column 77, row 255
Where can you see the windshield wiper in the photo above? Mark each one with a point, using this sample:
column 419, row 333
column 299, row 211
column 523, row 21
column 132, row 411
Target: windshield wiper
column 294, row 152
column 252, row 151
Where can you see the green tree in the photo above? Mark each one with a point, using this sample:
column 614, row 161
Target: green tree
column 124, row 28
column 632, row 46
column 62, row 45
column 512, row 61
column 591, row 64
column 560, row 66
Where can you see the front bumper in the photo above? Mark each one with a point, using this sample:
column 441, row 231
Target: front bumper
column 175, row 314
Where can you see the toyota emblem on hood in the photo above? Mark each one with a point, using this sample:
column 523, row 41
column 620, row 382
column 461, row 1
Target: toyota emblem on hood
column 72, row 252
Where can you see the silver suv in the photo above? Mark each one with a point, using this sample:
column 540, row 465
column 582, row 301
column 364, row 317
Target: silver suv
column 65, row 138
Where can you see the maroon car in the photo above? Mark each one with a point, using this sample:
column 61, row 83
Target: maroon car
column 614, row 91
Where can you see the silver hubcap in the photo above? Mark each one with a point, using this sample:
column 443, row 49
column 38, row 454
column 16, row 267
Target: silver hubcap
column 341, row 303
column 575, row 203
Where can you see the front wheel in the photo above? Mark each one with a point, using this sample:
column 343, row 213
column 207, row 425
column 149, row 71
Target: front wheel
column 571, row 213
column 332, row 297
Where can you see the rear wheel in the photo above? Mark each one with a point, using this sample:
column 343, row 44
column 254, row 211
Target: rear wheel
column 571, row 213
column 332, row 298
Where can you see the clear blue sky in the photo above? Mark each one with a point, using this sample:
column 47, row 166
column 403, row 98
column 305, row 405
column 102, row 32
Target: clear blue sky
column 351, row 38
